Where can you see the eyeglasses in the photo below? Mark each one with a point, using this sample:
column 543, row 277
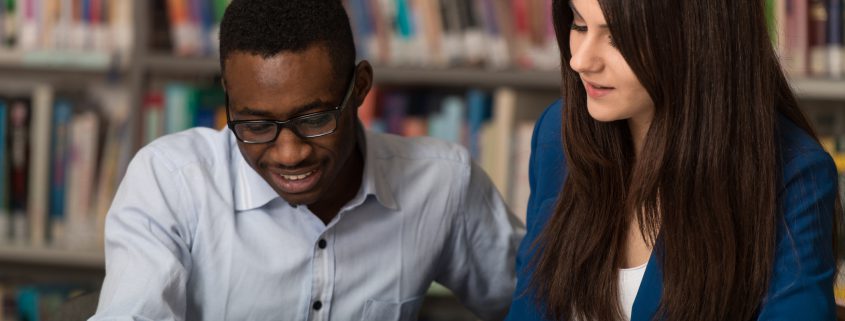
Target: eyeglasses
column 305, row 126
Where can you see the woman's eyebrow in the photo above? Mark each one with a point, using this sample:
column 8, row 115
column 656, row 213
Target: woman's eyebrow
column 574, row 10
column 578, row 14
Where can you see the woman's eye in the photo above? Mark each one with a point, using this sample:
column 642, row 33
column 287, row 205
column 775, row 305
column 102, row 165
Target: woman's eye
column 578, row 28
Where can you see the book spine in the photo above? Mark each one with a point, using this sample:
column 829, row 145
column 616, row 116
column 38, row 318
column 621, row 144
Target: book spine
column 818, row 17
column 58, row 174
column 39, row 167
column 5, row 220
column 18, row 167
column 835, row 41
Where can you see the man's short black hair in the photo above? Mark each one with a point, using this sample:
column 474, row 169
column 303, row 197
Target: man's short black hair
column 270, row 27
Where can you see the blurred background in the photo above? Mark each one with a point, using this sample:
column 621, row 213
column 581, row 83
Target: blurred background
column 85, row 83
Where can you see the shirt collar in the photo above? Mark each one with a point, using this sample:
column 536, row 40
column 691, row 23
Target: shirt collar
column 252, row 191
column 375, row 181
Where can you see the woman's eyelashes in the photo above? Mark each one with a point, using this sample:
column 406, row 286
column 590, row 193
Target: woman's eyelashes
column 581, row 29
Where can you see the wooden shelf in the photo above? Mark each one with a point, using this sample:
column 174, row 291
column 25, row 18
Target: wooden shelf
column 65, row 70
column 61, row 61
column 166, row 64
column 456, row 77
column 463, row 77
column 831, row 89
column 51, row 257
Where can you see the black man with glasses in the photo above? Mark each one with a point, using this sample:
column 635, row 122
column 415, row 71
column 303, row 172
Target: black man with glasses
column 294, row 211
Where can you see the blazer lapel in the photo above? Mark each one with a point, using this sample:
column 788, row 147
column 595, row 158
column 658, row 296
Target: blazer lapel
column 651, row 289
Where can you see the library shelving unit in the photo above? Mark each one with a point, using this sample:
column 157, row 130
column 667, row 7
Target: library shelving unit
column 164, row 65
column 19, row 73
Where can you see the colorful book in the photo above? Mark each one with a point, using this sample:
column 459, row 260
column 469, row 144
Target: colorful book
column 39, row 166
column 179, row 107
column 522, row 159
column 5, row 220
column 818, row 46
column 152, row 114
column 796, row 54
column 58, row 173
column 478, row 113
column 447, row 124
column 394, row 111
column 84, row 141
column 19, row 115
column 835, row 39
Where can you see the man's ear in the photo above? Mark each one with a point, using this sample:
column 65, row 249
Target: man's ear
column 363, row 82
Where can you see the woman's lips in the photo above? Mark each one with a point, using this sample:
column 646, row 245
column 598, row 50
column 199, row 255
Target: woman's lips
column 596, row 90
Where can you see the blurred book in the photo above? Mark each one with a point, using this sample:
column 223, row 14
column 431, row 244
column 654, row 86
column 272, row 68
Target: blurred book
column 809, row 36
column 494, row 125
column 61, row 160
column 80, row 33
column 493, row 34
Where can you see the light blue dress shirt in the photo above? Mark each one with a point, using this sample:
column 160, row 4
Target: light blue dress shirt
column 195, row 233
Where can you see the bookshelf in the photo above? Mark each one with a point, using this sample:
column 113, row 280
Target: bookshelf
column 76, row 71
column 828, row 89
column 14, row 74
column 163, row 65
column 52, row 257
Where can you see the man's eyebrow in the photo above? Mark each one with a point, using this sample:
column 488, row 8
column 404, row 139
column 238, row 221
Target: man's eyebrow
column 300, row 110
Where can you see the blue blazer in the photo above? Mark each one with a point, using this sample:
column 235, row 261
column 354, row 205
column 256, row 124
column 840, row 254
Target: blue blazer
column 801, row 287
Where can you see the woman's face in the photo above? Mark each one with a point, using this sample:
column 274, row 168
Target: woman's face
column 613, row 91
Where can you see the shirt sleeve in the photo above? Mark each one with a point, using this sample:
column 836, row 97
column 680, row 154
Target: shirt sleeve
column 146, row 244
column 480, row 264
column 801, row 287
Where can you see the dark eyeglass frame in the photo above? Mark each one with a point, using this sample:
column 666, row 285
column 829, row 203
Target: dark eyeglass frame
column 280, row 124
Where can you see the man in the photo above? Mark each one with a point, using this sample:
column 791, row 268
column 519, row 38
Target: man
column 294, row 212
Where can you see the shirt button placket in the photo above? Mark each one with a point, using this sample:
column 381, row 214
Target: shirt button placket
column 322, row 280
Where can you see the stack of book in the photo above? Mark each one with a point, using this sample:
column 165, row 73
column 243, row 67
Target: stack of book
column 442, row 33
column 487, row 123
column 34, row 302
column 177, row 106
column 187, row 27
column 61, row 158
column 809, row 36
column 61, row 32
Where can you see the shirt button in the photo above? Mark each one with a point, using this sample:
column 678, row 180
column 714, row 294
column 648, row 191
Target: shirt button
column 317, row 305
column 322, row 243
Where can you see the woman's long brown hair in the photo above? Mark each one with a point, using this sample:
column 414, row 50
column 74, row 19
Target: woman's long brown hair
column 704, row 186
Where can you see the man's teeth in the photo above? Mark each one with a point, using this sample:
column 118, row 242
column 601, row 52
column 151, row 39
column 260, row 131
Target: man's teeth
column 297, row 177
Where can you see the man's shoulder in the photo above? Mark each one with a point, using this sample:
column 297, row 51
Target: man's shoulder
column 193, row 146
column 427, row 149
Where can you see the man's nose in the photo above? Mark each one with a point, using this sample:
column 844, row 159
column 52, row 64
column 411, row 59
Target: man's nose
column 290, row 149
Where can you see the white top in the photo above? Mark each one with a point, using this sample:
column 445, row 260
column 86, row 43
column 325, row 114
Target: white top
column 629, row 285
column 195, row 233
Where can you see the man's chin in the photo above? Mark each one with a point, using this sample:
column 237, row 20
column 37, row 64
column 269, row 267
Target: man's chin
column 299, row 199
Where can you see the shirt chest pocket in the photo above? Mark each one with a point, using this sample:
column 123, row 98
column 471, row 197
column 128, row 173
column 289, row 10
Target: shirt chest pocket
column 392, row 310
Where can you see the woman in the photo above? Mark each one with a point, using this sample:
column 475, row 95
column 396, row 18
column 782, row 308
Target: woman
column 680, row 181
